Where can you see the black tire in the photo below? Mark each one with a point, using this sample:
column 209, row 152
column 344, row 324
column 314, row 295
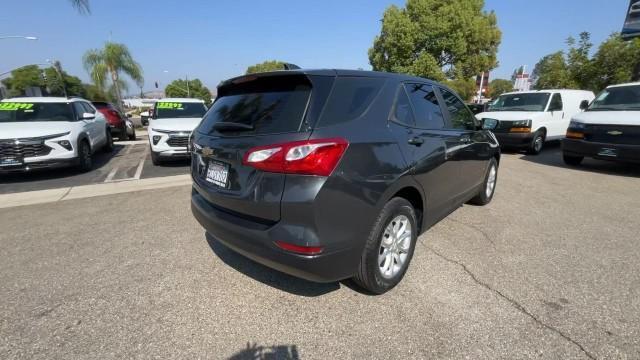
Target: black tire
column 155, row 158
column 108, row 147
column 369, row 275
column 123, row 134
column 132, row 137
column 85, row 160
column 537, row 143
column 572, row 160
column 483, row 198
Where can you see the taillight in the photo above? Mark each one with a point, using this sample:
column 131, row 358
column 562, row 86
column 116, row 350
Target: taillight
column 311, row 157
column 303, row 250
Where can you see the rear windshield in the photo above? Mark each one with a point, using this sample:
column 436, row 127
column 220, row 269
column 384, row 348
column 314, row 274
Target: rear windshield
column 22, row 111
column 268, row 105
column 167, row 110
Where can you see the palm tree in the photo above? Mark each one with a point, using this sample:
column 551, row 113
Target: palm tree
column 112, row 61
column 82, row 6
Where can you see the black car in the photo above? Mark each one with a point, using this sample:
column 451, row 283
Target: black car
column 333, row 174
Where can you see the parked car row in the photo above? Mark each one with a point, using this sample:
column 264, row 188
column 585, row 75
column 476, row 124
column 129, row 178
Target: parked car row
column 331, row 174
column 605, row 127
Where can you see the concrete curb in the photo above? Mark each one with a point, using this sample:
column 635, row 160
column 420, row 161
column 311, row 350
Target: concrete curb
column 87, row 191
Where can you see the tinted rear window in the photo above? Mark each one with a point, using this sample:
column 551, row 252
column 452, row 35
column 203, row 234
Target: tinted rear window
column 350, row 98
column 270, row 105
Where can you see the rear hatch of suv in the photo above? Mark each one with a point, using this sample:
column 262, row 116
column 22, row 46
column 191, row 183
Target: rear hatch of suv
column 254, row 111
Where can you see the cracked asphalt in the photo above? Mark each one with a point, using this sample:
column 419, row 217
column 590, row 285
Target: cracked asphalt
column 549, row 270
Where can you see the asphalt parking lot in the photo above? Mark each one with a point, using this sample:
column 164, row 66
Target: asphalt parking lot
column 130, row 160
column 548, row 270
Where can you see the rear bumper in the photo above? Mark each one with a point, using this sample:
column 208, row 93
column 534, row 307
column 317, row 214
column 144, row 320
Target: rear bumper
column 601, row 151
column 118, row 130
column 514, row 140
column 257, row 242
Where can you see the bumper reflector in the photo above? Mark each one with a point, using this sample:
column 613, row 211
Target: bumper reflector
column 303, row 250
column 520, row 130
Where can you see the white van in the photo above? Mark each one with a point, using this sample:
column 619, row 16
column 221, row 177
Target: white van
column 526, row 120
column 608, row 130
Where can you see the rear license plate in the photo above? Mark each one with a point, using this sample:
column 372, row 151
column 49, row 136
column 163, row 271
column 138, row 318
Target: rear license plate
column 608, row 152
column 10, row 161
column 217, row 173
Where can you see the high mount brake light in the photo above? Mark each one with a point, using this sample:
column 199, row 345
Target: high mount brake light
column 310, row 157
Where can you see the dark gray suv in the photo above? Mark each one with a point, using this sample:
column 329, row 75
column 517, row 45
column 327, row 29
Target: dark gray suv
column 333, row 174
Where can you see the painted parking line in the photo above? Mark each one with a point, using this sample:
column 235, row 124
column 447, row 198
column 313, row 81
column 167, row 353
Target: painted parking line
column 131, row 161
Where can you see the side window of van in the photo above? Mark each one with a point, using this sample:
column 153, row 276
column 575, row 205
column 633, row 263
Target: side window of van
column 556, row 103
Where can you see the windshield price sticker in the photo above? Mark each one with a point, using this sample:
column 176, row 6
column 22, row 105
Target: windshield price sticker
column 15, row 106
column 169, row 105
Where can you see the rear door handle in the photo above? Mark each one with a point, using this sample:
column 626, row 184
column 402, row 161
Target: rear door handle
column 416, row 141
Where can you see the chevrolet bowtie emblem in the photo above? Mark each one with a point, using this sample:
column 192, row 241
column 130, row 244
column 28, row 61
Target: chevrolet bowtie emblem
column 207, row 151
column 614, row 132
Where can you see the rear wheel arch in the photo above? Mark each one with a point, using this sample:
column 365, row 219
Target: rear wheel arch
column 415, row 198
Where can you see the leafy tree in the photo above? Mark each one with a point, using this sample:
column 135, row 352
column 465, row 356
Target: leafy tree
column 552, row 72
column 498, row 87
column 466, row 88
column 269, row 65
column 23, row 78
column 95, row 93
column 579, row 64
column 437, row 39
column 195, row 89
column 615, row 62
column 112, row 61
column 82, row 6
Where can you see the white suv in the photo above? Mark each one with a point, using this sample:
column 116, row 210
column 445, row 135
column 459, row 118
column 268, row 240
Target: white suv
column 170, row 126
column 48, row 132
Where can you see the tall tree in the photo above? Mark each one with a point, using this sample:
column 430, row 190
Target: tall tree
column 551, row 72
column 23, row 78
column 615, row 61
column 437, row 39
column 82, row 6
column 269, row 65
column 194, row 89
column 498, row 87
column 114, row 60
column 579, row 64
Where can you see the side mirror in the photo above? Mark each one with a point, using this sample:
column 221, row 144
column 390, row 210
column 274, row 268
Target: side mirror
column 489, row 124
column 87, row 116
column 584, row 105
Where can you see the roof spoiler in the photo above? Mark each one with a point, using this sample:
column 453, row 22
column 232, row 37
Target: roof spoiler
column 288, row 66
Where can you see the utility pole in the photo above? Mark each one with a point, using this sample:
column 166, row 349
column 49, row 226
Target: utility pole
column 188, row 92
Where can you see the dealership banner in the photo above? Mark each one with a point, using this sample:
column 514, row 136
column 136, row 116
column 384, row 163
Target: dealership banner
column 631, row 27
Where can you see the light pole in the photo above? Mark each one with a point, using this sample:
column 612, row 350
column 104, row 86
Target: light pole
column 18, row 37
column 20, row 67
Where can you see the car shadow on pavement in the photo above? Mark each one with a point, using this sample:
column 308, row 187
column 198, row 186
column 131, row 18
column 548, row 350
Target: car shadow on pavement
column 100, row 159
column 278, row 352
column 551, row 155
column 267, row 275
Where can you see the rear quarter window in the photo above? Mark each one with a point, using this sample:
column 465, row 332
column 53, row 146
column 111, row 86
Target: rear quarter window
column 350, row 99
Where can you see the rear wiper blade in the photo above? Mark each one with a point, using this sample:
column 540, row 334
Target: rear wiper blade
column 232, row 126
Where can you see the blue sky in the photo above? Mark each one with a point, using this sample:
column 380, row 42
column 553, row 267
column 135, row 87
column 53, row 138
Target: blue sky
column 217, row 39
